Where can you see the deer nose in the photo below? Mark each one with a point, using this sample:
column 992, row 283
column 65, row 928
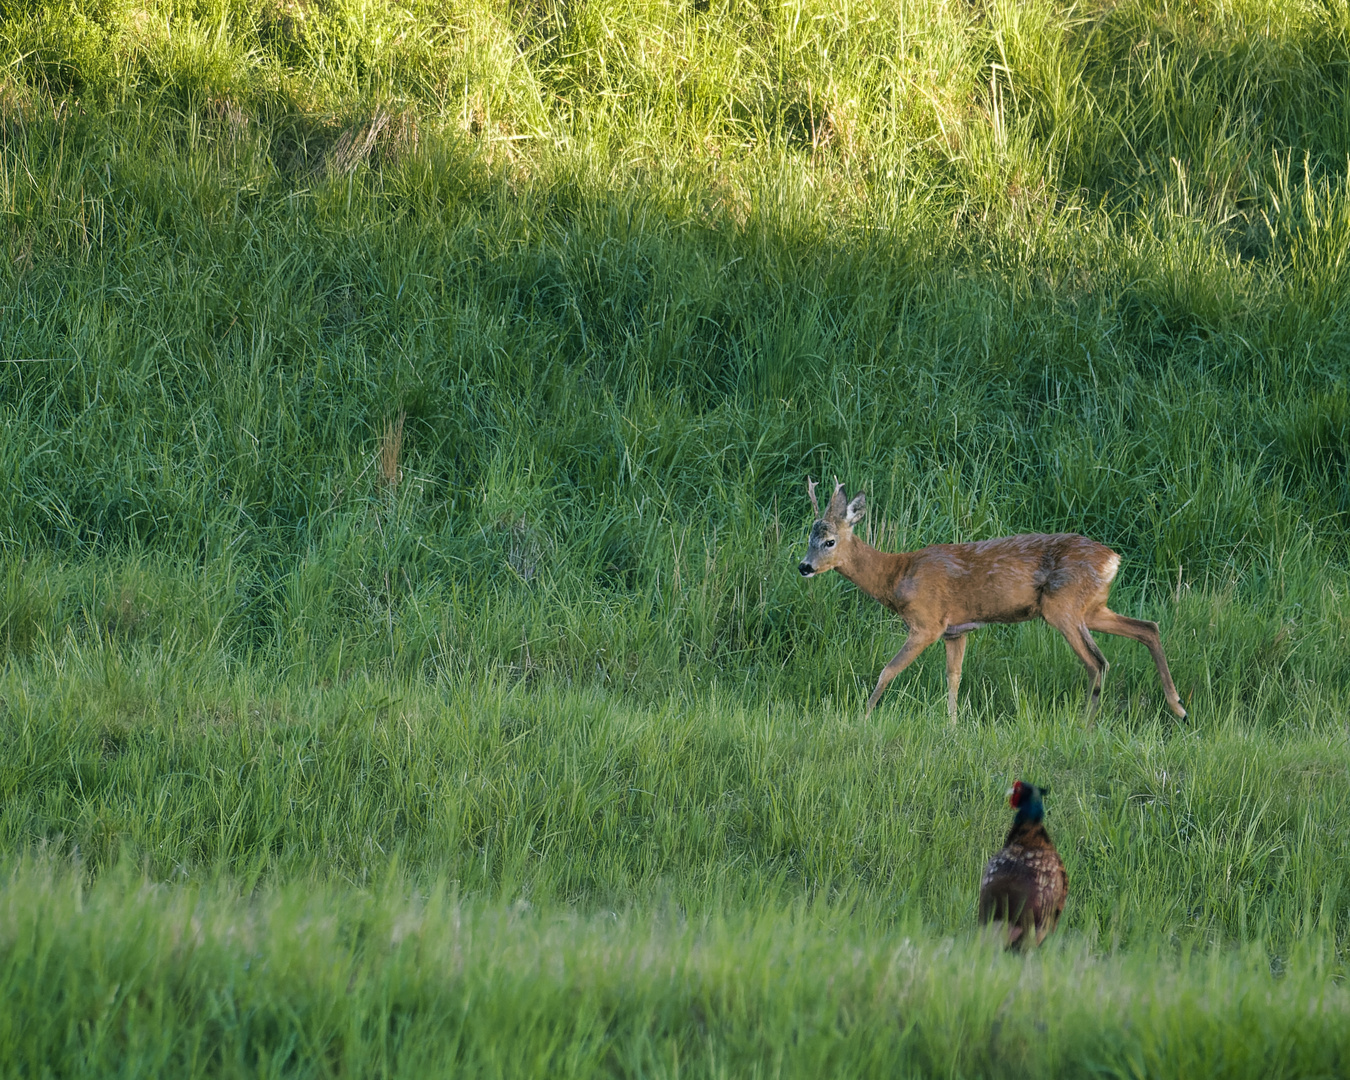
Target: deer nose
column 806, row 569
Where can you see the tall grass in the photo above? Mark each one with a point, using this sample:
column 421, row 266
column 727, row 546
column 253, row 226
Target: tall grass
column 405, row 417
column 1225, row 832
column 309, row 981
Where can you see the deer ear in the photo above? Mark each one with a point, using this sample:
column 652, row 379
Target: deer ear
column 856, row 509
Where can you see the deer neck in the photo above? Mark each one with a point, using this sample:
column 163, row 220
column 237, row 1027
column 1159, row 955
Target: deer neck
column 873, row 571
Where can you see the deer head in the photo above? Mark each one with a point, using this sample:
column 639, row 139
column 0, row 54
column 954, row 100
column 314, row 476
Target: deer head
column 832, row 531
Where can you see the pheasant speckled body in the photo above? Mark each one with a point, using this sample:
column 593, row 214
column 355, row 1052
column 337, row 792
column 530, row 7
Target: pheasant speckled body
column 1024, row 885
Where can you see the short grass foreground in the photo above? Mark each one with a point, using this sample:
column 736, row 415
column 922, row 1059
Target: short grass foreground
column 405, row 411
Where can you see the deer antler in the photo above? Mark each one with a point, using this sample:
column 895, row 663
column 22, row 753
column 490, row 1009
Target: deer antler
column 811, row 494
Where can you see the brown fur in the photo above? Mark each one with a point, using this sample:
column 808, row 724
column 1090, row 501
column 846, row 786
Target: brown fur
column 947, row 590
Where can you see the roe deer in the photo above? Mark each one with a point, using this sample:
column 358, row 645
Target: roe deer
column 947, row 590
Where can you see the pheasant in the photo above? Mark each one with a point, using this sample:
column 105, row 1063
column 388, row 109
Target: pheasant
column 1025, row 885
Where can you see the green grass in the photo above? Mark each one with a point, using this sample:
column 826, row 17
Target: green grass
column 1220, row 833
column 544, row 683
column 308, row 980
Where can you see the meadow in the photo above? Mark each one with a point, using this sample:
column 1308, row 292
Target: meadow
column 406, row 414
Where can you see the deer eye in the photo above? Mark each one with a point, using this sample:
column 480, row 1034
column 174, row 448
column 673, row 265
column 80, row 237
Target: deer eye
column 829, row 543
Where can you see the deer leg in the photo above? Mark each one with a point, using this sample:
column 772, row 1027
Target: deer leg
column 1098, row 673
column 956, row 652
column 1080, row 641
column 917, row 641
column 1108, row 622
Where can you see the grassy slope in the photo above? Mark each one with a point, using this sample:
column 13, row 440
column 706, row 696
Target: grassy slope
column 629, row 272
